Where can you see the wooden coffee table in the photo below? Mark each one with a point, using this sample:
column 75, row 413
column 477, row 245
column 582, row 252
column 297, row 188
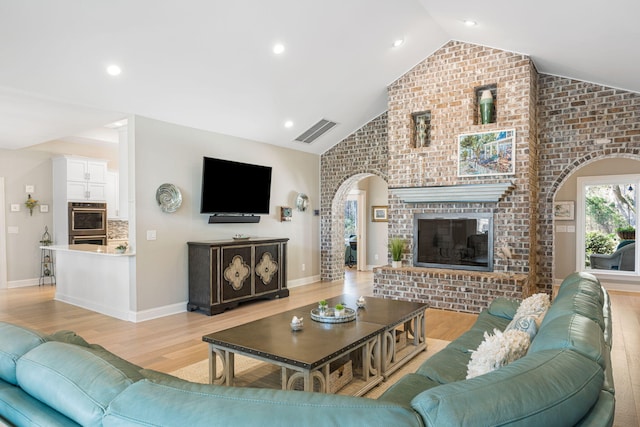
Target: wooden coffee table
column 308, row 354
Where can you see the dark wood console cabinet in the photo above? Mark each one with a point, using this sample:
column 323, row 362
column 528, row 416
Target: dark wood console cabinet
column 224, row 273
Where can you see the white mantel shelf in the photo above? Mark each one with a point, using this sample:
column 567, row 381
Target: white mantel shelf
column 454, row 193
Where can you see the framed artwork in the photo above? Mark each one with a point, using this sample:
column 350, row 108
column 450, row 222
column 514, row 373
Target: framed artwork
column 379, row 213
column 564, row 210
column 487, row 153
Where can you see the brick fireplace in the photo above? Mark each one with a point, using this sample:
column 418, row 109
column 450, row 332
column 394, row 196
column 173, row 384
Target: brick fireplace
column 578, row 123
column 446, row 85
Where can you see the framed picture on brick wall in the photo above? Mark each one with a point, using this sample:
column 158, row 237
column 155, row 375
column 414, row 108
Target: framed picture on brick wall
column 487, row 153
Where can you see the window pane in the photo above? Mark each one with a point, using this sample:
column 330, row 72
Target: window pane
column 610, row 209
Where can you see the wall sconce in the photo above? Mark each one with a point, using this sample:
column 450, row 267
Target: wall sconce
column 30, row 204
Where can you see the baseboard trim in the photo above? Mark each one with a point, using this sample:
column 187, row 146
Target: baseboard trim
column 304, row 281
column 155, row 313
column 23, row 283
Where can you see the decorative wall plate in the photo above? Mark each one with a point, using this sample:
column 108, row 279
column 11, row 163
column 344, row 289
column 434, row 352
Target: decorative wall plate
column 169, row 198
column 302, row 202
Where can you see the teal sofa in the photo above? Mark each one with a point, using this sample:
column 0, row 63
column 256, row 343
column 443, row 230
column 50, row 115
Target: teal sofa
column 565, row 379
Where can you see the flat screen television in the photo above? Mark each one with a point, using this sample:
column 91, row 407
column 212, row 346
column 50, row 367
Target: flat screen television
column 234, row 188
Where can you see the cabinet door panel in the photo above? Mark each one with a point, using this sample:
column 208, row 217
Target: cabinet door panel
column 267, row 268
column 76, row 190
column 97, row 191
column 236, row 272
column 97, row 171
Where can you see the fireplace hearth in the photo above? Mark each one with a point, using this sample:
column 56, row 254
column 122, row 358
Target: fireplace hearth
column 454, row 241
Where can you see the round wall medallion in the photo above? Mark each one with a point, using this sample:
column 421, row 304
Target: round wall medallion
column 169, row 198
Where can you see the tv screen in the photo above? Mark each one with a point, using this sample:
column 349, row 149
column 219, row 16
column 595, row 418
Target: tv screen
column 234, row 188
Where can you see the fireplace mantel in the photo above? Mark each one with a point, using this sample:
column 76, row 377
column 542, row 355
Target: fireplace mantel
column 454, row 193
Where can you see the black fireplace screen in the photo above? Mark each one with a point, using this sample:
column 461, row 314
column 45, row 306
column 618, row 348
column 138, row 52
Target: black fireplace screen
column 454, row 241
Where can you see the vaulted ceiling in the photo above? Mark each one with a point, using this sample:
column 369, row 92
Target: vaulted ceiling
column 209, row 64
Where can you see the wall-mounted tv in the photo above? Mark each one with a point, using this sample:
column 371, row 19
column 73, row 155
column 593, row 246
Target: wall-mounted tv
column 234, row 188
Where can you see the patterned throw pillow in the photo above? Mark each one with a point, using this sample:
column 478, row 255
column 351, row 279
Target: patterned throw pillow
column 536, row 305
column 525, row 324
column 497, row 350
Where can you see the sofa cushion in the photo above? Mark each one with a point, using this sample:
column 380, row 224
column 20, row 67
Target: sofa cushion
column 581, row 282
column 503, row 307
column 575, row 332
column 15, row 342
column 581, row 303
column 546, row 388
column 447, row 365
column 71, row 379
column 407, row 387
column 471, row 339
column 21, row 409
column 171, row 403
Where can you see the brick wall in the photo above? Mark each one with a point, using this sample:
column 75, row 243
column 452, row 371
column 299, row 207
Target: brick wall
column 562, row 124
column 363, row 153
column 579, row 123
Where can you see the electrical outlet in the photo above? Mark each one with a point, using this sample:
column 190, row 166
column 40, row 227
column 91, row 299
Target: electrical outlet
column 15, row 207
column 12, row 230
column 151, row 234
column 304, row 267
column 375, row 257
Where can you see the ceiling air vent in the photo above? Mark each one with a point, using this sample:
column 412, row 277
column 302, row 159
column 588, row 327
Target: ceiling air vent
column 316, row 131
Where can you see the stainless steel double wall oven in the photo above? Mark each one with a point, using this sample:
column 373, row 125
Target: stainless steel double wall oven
column 88, row 223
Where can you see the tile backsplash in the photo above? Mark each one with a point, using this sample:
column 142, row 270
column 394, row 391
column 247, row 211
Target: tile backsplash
column 117, row 229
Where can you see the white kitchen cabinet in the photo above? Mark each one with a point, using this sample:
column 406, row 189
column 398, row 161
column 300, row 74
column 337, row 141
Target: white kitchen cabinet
column 75, row 179
column 85, row 179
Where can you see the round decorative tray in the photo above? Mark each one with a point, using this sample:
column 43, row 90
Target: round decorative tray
column 330, row 317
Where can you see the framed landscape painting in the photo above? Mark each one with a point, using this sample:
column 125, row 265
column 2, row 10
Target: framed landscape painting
column 487, row 153
column 379, row 214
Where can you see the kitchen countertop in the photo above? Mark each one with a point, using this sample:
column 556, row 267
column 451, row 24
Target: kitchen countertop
column 89, row 249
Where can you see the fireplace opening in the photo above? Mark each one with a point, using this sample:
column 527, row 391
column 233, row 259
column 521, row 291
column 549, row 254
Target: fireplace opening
column 456, row 241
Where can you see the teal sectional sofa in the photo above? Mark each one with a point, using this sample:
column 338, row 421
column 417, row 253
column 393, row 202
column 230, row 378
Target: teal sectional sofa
column 565, row 379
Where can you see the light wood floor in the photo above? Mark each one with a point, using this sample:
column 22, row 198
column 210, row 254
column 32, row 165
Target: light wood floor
column 173, row 342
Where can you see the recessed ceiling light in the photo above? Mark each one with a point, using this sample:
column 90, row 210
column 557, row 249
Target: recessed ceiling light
column 398, row 43
column 288, row 124
column 114, row 70
column 278, row 48
column 470, row 23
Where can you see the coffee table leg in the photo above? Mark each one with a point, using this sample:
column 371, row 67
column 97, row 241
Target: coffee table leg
column 228, row 368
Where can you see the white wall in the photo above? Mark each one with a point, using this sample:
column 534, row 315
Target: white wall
column 377, row 232
column 20, row 168
column 167, row 153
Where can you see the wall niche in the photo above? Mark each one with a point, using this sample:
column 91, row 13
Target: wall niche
column 421, row 128
column 485, row 109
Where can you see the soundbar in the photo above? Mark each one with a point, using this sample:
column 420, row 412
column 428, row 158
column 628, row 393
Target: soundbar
column 228, row 219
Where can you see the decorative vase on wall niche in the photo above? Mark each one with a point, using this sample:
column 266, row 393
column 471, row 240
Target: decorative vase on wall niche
column 486, row 107
column 396, row 264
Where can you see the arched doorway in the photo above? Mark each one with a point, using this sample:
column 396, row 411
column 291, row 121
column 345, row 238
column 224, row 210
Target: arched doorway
column 372, row 238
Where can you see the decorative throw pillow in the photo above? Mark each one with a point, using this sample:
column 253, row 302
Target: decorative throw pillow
column 536, row 305
column 525, row 324
column 497, row 350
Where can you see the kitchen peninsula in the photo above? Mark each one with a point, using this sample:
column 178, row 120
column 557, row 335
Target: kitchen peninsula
column 95, row 277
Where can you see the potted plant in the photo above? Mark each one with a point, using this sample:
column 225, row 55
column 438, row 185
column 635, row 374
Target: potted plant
column 396, row 246
column 121, row 248
column 322, row 306
column 339, row 310
column 627, row 232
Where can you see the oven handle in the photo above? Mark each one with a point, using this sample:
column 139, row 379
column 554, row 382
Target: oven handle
column 89, row 209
